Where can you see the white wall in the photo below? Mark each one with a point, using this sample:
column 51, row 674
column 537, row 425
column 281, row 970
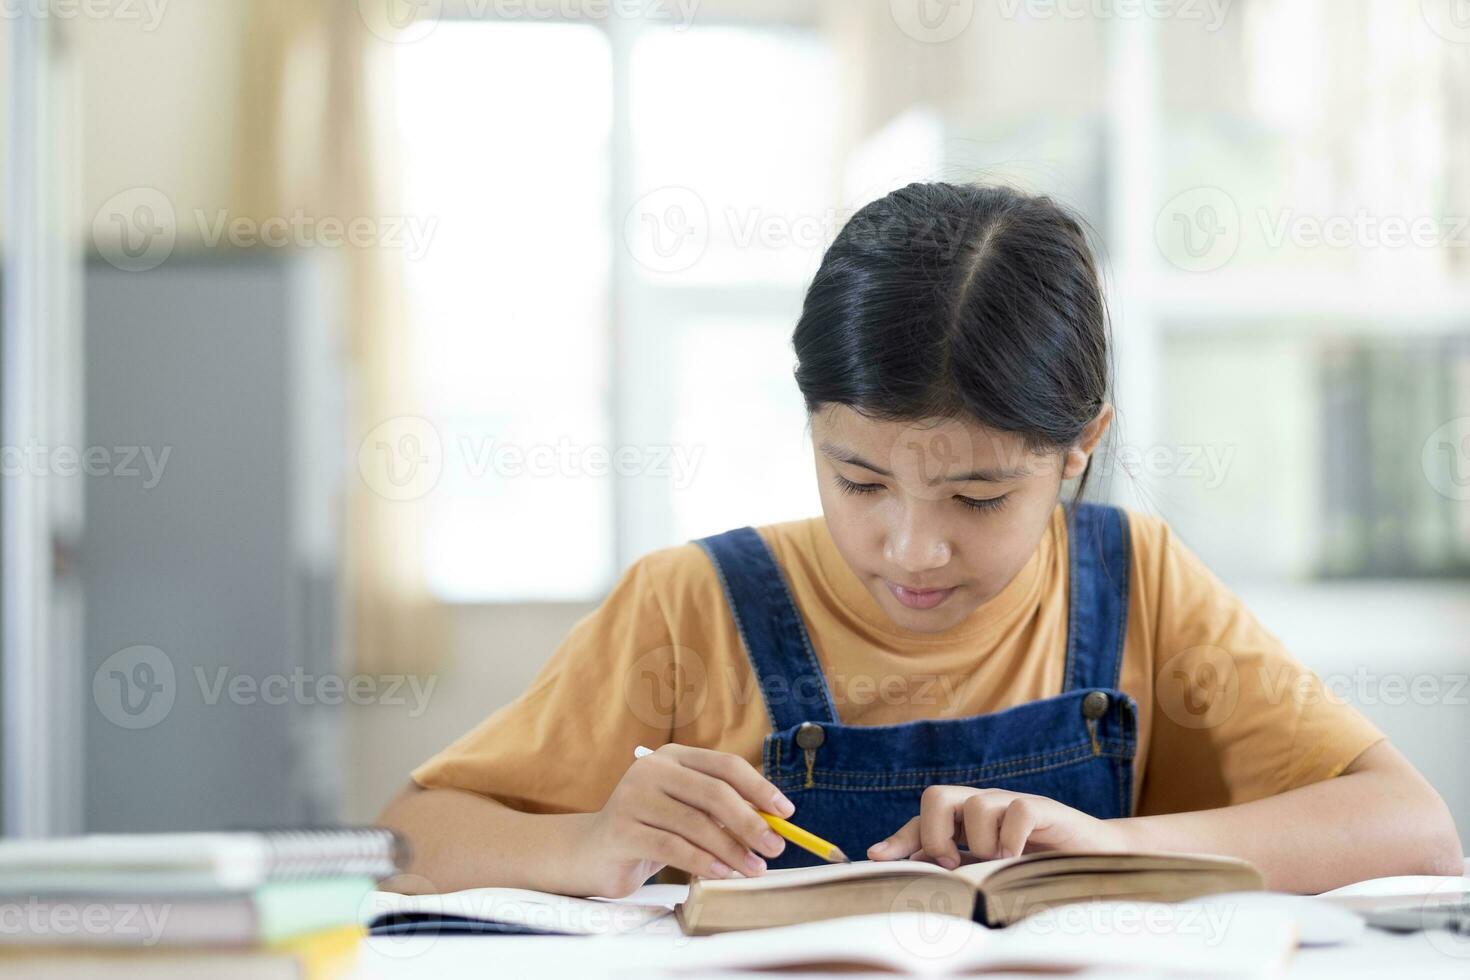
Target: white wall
column 161, row 106
column 494, row 653
column 158, row 106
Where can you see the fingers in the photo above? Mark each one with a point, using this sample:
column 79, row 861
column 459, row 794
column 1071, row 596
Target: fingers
column 901, row 844
column 737, row 772
column 991, row 823
column 1021, row 820
column 723, row 803
column 698, row 829
column 938, row 810
column 998, row 823
column 673, row 850
column 982, row 815
column 702, row 798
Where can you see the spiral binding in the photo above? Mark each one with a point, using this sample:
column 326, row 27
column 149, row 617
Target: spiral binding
column 312, row 852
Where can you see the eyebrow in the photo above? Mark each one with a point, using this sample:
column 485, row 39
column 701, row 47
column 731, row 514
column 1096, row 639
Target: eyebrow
column 991, row 475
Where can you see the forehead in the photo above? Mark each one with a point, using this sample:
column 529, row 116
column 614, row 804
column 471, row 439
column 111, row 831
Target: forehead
column 957, row 446
column 846, row 427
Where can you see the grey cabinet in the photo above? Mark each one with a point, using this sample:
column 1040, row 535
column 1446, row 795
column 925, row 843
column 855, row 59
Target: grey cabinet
column 210, row 552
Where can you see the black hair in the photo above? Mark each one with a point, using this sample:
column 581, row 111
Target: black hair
column 960, row 301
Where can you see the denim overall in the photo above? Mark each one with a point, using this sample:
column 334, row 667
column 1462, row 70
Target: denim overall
column 855, row 785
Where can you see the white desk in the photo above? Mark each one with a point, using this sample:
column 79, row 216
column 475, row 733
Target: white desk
column 1378, row 954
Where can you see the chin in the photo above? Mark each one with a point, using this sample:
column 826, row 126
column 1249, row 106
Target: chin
column 919, row 622
column 935, row 620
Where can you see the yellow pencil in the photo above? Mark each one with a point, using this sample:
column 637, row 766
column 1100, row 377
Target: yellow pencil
column 804, row 839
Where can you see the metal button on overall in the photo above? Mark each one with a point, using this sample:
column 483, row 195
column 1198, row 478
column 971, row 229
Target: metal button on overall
column 810, row 736
column 1095, row 705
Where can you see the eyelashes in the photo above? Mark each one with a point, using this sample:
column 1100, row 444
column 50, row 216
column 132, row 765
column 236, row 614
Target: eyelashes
column 973, row 503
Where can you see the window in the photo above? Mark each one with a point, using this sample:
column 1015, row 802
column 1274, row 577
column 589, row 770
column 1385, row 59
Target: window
column 510, row 301
column 513, row 299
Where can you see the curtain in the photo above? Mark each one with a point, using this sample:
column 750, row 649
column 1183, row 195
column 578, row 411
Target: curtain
column 316, row 136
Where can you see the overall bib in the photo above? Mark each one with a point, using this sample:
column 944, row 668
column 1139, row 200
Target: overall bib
column 855, row 785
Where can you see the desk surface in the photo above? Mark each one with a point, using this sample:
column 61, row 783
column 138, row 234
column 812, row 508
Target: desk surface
column 1377, row 954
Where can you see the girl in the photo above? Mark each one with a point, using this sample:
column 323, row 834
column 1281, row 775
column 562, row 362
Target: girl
column 950, row 657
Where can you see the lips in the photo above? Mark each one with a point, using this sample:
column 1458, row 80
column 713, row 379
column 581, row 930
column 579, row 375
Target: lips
column 919, row 598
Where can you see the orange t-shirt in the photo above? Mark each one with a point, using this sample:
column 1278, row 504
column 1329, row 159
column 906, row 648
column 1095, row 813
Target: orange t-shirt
column 1225, row 715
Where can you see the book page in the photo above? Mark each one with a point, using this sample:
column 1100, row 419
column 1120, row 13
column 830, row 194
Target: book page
column 521, row 907
column 1135, row 936
column 1039, row 863
column 822, row 874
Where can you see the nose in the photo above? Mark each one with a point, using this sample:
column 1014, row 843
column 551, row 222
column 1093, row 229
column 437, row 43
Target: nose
column 916, row 546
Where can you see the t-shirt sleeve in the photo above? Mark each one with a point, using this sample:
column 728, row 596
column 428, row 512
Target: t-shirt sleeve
column 1234, row 717
column 611, row 685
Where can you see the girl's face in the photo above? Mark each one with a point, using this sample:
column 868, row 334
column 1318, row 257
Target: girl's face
column 937, row 517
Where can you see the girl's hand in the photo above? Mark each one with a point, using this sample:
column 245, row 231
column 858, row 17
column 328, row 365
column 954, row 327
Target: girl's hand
column 686, row 807
column 994, row 823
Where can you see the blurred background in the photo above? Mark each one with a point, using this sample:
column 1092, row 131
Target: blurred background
column 353, row 348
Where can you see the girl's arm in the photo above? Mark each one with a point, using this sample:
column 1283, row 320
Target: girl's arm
column 461, row 840
column 688, row 807
column 1379, row 818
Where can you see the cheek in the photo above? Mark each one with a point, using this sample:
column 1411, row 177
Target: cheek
column 1010, row 541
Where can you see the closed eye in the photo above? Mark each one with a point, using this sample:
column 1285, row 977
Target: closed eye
column 988, row 503
column 847, row 486
column 972, row 503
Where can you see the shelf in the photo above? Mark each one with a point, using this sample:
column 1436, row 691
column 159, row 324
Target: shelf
column 1308, row 303
column 1341, row 625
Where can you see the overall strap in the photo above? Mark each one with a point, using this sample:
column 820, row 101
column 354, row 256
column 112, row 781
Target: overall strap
column 1099, row 546
column 771, row 628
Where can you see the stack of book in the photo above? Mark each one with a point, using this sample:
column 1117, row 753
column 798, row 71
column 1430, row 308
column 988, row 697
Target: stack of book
column 264, row 904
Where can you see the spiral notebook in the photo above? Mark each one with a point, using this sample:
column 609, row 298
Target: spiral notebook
column 189, row 862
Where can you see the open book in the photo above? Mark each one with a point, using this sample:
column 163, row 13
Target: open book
column 1132, row 938
column 991, row 892
column 508, row 910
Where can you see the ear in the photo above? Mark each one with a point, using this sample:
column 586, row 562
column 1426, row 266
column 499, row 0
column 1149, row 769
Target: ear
column 1077, row 455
